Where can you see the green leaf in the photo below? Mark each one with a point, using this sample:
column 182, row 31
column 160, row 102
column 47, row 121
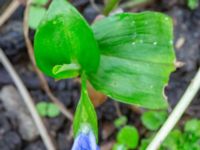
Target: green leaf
column 137, row 58
column 193, row 4
column 53, row 110
column 35, row 16
column 85, row 114
column 128, row 136
column 42, row 108
column 39, row 2
column 144, row 144
column 64, row 37
column 66, row 71
column 193, row 126
column 173, row 140
column 121, row 121
column 152, row 120
column 118, row 146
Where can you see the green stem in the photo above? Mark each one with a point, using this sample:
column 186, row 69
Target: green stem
column 84, row 84
column 109, row 6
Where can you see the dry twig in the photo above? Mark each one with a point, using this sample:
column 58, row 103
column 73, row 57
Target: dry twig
column 42, row 79
column 9, row 11
column 28, row 101
column 176, row 113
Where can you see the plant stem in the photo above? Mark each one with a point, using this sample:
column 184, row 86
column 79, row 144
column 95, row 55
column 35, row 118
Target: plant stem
column 177, row 113
column 109, row 6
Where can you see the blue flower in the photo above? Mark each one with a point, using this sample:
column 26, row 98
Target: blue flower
column 85, row 141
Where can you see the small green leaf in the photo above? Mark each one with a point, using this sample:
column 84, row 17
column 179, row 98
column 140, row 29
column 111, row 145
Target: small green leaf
column 39, row 2
column 118, row 146
column 35, row 16
column 173, row 140
column 121, row 121
column 152, row 120
column 42, row 108
column 137, row 57
column 193, row 4
column 46, row 109
column 144, row 144
column 53, row 110
column 193, row 126
column 85, row 114
column 128, row 136
column 64, row 37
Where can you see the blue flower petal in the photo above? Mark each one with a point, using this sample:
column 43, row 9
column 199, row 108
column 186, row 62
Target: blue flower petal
column 85, row 141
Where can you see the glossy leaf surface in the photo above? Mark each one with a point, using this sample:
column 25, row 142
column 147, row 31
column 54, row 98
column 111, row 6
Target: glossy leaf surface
column 63, row 38
column 136, row 58
column 85, row 116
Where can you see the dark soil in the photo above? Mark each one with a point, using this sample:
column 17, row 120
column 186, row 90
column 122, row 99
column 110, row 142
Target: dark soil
column 186, row 28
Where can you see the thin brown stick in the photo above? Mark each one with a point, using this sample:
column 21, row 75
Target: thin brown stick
column 28, row 101
column 118, row 111
column 41, row 77
column 9, row 11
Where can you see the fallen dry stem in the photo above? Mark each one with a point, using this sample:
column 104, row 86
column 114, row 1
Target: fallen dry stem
column 9, row 11
column 41, row 77
column 176, row 113
column 28, row 101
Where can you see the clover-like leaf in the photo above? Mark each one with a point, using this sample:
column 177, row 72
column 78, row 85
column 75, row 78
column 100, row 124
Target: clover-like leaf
column 85, row 115
column 64, row 40
column 193, row 126
column 137, row 58
column 121, row 121
column 42, row 108
column 53, row 110
column 128, row 136
column 152, row 120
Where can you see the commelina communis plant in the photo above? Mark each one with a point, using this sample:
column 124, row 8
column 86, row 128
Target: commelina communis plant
column 127, row 56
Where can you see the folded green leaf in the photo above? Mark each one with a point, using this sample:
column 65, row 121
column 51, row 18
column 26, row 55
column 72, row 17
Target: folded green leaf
column 85, row 115
column 137, row 57
column 66, row 71
column 64, row 37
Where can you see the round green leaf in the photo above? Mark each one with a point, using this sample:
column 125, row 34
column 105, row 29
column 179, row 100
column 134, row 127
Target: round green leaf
column 128, row 136
column 35, row 16
column 121, row 121
column 42, row 108
column 193, row 4
column 53, row 110
column 64, row 38
column 193, row 126
column 152, row 120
